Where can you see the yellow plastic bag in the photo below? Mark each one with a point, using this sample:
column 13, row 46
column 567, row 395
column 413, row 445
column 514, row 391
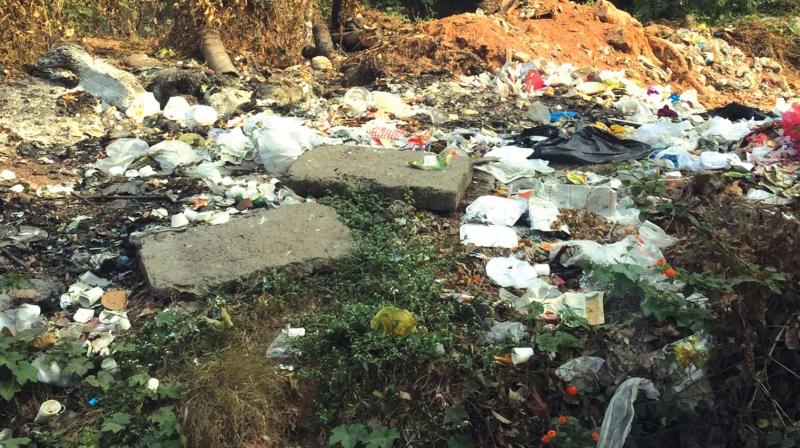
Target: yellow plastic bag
column 394, row 321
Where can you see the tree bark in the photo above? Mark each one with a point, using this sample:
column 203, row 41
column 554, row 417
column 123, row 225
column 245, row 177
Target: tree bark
column 214, row 52
column 356, row 40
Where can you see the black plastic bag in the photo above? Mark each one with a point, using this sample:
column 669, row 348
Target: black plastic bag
column 589, row 145
column 736, row 111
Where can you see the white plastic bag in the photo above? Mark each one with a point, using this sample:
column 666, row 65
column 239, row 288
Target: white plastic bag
column 514, row 273
column 495, row 210
column 489, row 236
column 201, row 116
column 144, row 105
column 176, row 109
column 171, row 154
column 280, row 140
column 121, row 153
column 619, row 414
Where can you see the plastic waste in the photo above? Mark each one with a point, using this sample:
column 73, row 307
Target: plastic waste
column 619, row 414
column 543, row 213
column 712, row 160
column 737, row 111
column 662, row 133
column 83, row 315
column 143, row 106
column 724, row 130
column 602, row 200
column 279, row 348
column 394, row 321
column 511, row 272
column 171, row 154
column 356, row 100
column 23, row 318
column 495, row 210
column 587, row 146
column 558, row 116
column 539, row 112
column 176, row 108
column 391, row 103
column 201, row 116
column 502, row 331
column 48, row 411
column 51, row 372
column 521, row 355
column 581, row 371
column 233, row 146
column 766, row 197
column 121, row 153
column 651, row 233
column 791, row 122
column 434, row 162
column 489, row 236
column 635, row 109
column 512, row 163
column 279, row 140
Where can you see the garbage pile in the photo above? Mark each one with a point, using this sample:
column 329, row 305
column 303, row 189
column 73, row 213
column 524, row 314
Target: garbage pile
column 201, row 167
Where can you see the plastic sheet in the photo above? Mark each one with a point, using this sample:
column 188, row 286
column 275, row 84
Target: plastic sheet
column 587, row 146
column 279, row 348
column 736, row 112
column 489, row 236
column 279, row 140
column 619, row 414
column 121, row 154
column 171, row 154
column 201, row 116
column 176, row 108
column 514, row 273
column 495, row 210
column 503, row 331
column 581, row 371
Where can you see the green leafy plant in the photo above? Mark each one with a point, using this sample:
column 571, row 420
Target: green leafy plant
column 357, row 435
column 16, row 369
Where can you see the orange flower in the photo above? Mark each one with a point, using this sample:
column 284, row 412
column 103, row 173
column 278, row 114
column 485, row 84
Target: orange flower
column 563, row 420
column 669, row 272
column 572, row 390
column 595, row 436
column 661, row 262
column 546, row 440
column 552, row 433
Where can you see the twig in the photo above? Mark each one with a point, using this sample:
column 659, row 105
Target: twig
column 14, row 258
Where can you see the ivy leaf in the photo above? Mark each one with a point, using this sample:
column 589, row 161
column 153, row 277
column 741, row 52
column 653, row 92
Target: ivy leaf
column 138, row 379
column 116, row 423
column 102, row 380
column 165, row 418
column 8, row 388
column 382, row 437
column 78, row 366
column 169, row 390
column 10, row 359
column 25, row 372
column 347, row 436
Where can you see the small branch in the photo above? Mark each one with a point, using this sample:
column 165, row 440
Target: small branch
column 14, row 258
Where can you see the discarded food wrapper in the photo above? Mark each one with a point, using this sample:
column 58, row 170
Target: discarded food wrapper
column 279, row 348
column 588, row 305
column 683, row 365
column 434, row 162
column 394, row 321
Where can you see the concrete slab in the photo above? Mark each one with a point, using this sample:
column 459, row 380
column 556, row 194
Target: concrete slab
column 382, row 171
column 305, row 236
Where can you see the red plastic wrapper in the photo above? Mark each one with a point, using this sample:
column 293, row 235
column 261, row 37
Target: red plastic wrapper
column 791, row 123
column 533, row 81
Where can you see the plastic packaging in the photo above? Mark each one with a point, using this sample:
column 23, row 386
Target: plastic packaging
column 502, row 331
column 539, row 112
column 121, row 153
column 279, row 140
column 514, row 273
column 23, row 318
column 394, row 321
column 588, row 145
column 495, row 210
column 201, row 116
column 513, row 163
column 279, row 348
column 176, row 109
column 143, row 106
column 521, row 355
column 171, row 154
column 581, row 371
column 489, row 236
column 233, row 146
column 619, row 414
column 48, row 411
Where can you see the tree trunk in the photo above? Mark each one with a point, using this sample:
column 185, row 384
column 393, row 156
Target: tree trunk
column 322, row 37
column 214, row 52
